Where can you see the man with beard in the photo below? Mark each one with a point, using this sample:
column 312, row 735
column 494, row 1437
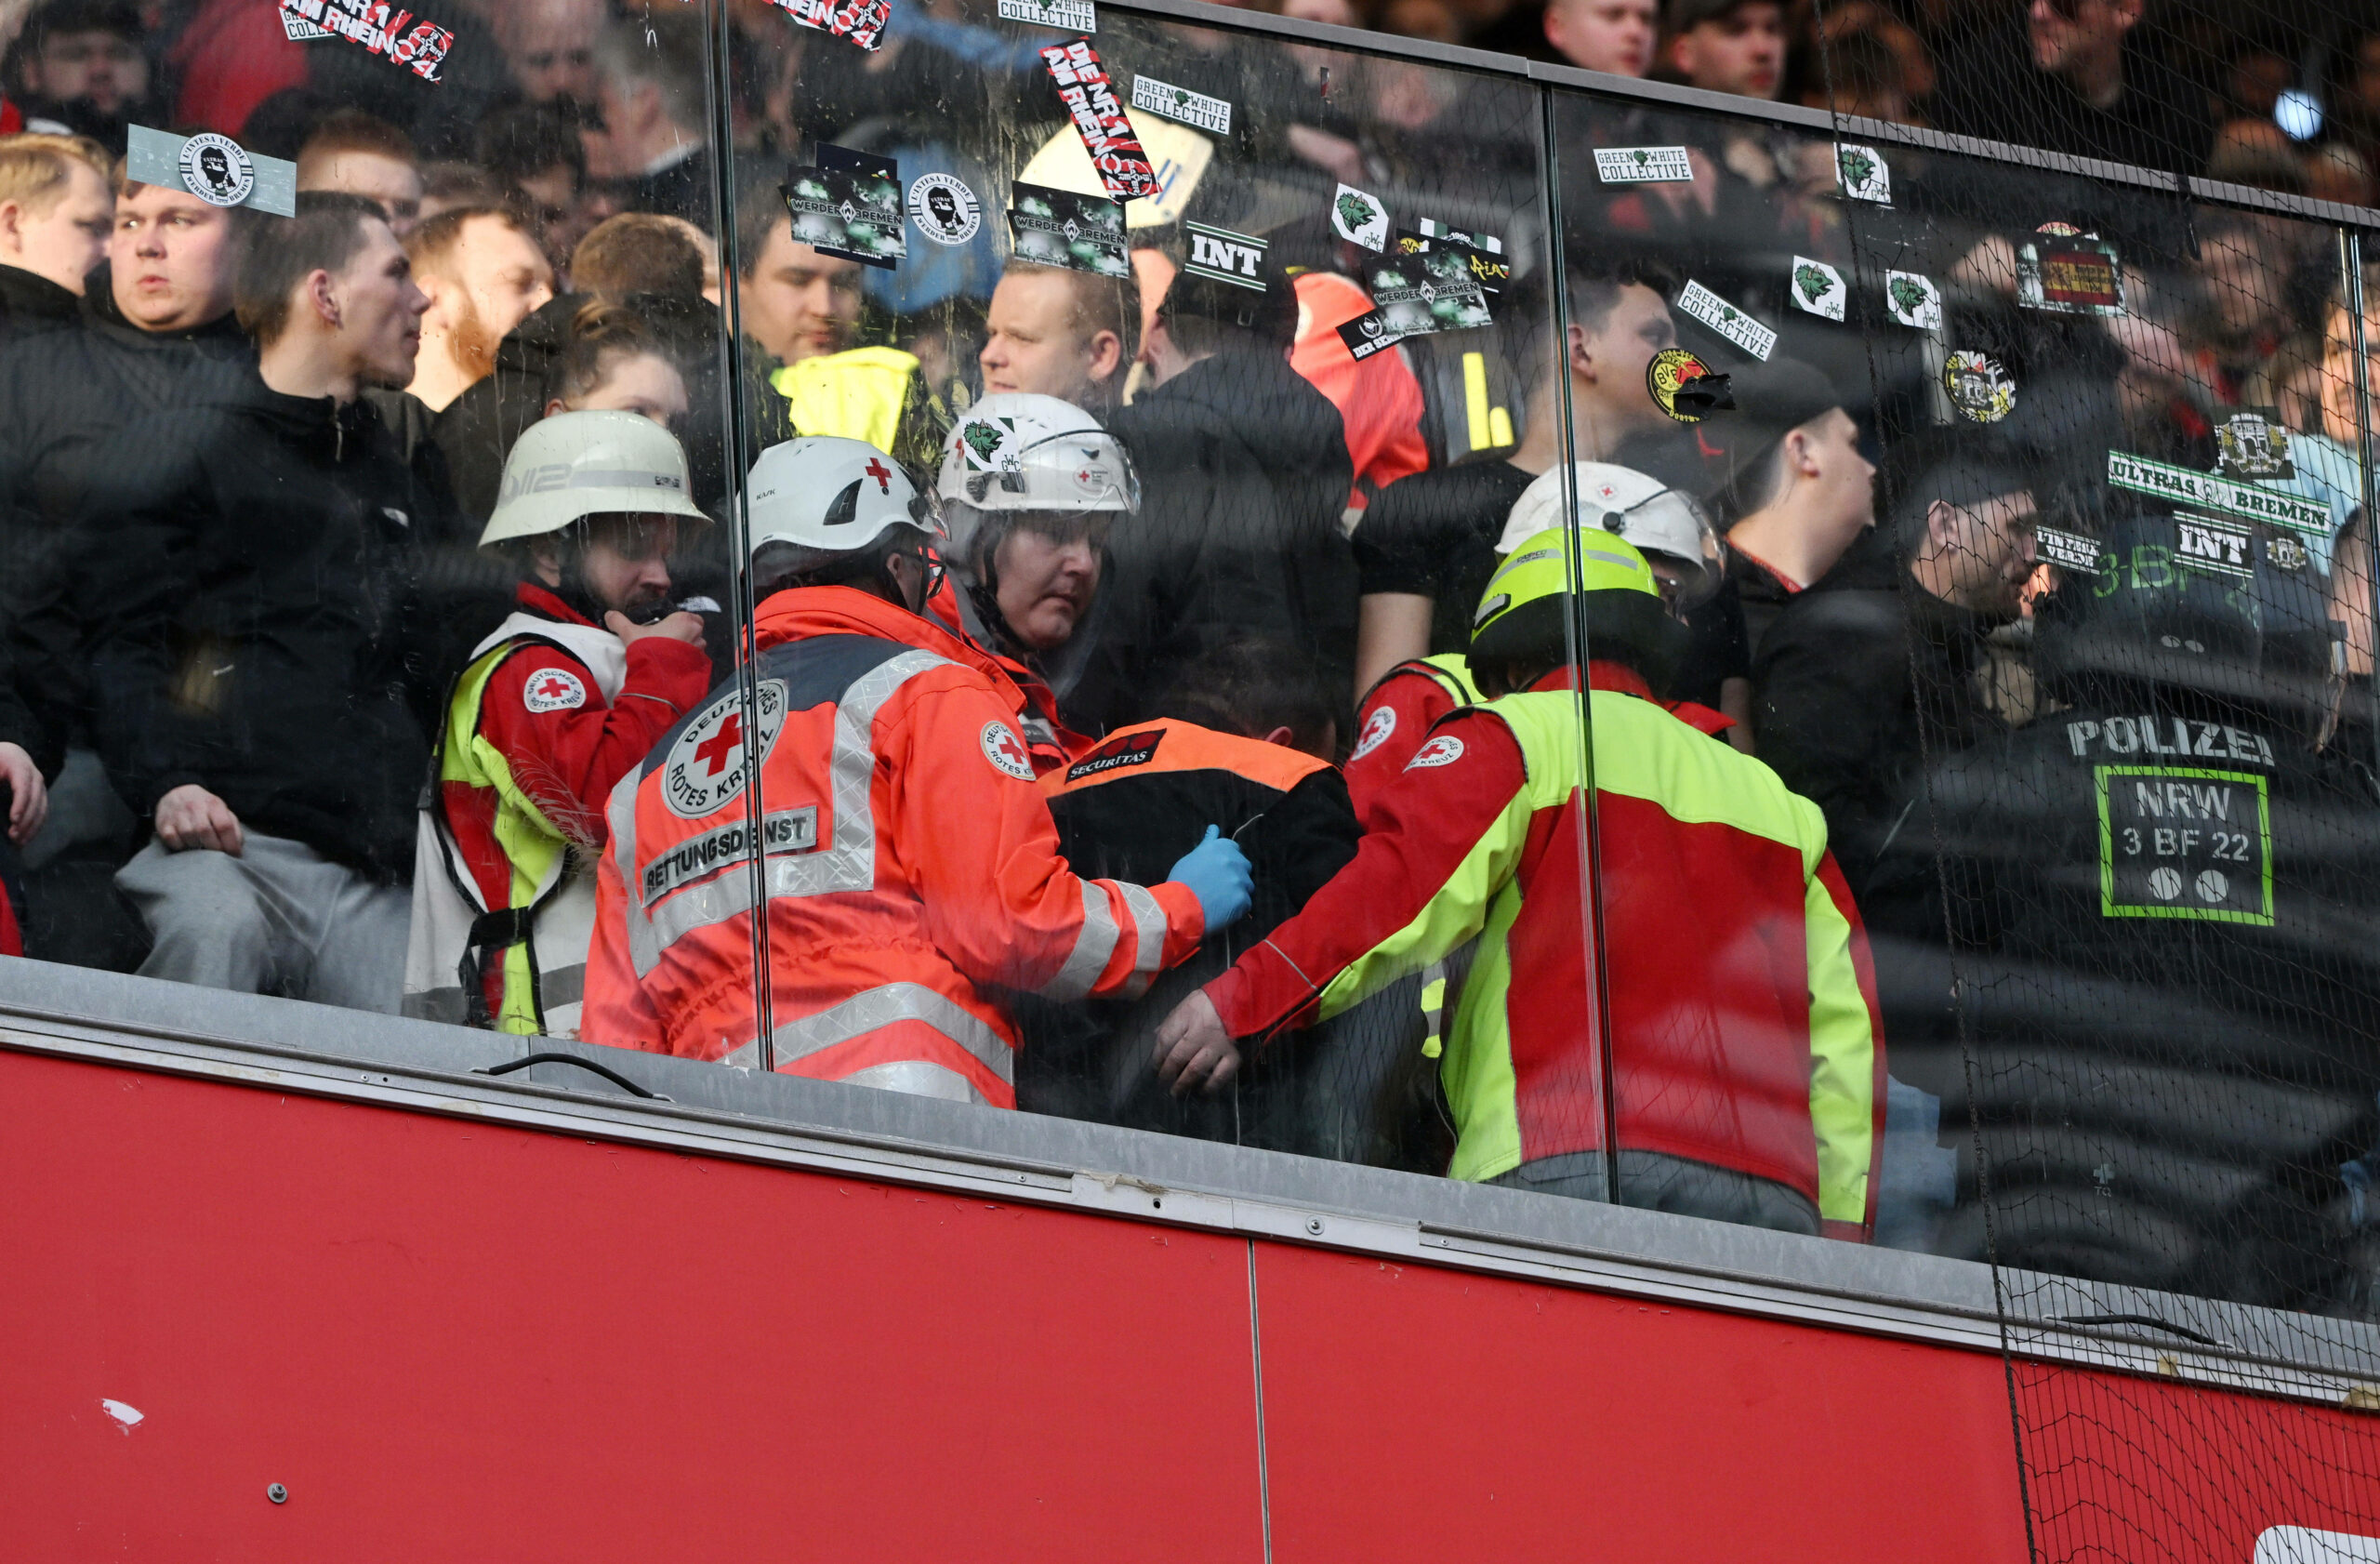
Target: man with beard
column 80, row 71
column 558, row 704
column 484, row 274
column 549, row 48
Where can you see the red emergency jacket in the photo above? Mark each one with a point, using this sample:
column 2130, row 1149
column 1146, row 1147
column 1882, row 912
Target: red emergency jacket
column 912, row 869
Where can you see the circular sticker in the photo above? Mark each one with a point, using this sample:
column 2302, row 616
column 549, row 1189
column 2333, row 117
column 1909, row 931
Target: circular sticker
column 553, row 689
column 945, row 209
column 1006, row 751
column 1979, row 387
column 1671, row 368
column 1377, row 729
column 217, row 170
column 1443, row 750
column 711, row 757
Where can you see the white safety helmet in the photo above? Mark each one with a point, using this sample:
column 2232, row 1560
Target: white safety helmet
column 572, row 466
column 1658, row 520
column 835, row 496
column 1016, row 451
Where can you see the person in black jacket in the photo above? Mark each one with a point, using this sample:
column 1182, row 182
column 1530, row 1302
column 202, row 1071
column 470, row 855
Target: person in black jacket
column 57, row 210
column 253, row 563
column 1243, row 742
column 1244, row 471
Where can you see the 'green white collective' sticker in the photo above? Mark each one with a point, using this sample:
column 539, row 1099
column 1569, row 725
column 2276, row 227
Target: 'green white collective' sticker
column 1728, row 320
column 1913, row 300
column 1643, row 165
column 1864, row 174
column 1211, row 114
column 1074, row 16
column 1818, row 289
column 2185, row 485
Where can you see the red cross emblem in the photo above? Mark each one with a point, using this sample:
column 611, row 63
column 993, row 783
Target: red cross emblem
column 1012, row 748
column 552, row 687
column 713, row 751
column 882, row 474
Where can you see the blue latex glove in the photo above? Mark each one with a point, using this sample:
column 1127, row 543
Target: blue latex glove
column 1217, row 873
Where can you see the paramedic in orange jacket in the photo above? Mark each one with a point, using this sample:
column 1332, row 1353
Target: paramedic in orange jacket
column 912, row 872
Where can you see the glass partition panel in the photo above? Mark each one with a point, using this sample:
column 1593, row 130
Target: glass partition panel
column 362, row 412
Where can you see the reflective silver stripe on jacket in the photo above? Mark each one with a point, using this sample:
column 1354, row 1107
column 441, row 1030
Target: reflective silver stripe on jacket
column 848, row 865
column 1093, row 946
column 876, row 1008
column 1148, row 957
column 919, row 1079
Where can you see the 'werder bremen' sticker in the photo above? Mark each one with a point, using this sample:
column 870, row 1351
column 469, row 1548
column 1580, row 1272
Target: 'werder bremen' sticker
column 1074, row 16
column 1360, row 217
column 1728, row 320
column 1211, row 114
column 1643, row 165
column 2180, row 843
column 1818, row 289
column 2207, row 491
column 1913, row 300
column 1863, row 173
column 2252, row 443
column 1979, row 387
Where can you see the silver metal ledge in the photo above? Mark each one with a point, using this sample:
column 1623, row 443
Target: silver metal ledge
column 851, row 1132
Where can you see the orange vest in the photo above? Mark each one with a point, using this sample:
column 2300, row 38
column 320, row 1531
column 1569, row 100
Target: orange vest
column 912, row 872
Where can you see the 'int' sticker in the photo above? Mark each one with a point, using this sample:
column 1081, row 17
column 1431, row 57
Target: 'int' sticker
column 1445, row 749
column 1377, row 728
column 1006, row 751
column 1728, row 320
column 2209, row 545
column 1222, row 256
column 1818, row 289
column 2178, row 843
column 553, row 689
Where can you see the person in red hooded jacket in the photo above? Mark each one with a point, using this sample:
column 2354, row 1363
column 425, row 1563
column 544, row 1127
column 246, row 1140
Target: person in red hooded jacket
column 911, row 869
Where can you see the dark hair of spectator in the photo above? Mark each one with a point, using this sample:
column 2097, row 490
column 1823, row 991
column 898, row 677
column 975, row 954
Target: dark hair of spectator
column 1100, row 303
column 600, row 334
column 636, row 252
column 352, row 131
column 527, row 141
column 324, row 235
column 62, row 18
column 1252, row 688
column 429, row 245
column 1204, row 318
column 1860, row 68
column 461, row 184
column 756, row 216
column 1595, row 287
column 664, row 50
column 1962, row 482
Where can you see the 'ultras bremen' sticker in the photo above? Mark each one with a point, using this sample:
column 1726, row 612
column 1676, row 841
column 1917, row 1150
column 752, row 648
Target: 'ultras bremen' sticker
column 1006, row 751
column 945, row 209
column 712, row 757
column 2177, row 841
column 1753, row 337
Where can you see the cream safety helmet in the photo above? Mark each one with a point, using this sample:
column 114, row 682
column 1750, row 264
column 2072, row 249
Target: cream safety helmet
column 1663, row 523
column 572, row 466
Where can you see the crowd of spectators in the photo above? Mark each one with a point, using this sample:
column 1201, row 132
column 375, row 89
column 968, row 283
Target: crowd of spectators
column 248, row 460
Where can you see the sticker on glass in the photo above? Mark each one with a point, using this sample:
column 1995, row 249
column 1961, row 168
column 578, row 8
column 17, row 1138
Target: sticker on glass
column 1863, row 173
column 2074, row 275
column 1487, row 244
column 1913, row 300
column 1979, row 387
column 1063, row 227
column 2285, row 553
column 1074, row 16
column 380, row 28
column 1221, row 256
column 215, row 168
column 1210, row 114
column 1107, row 135
column 1487, row 268
column 1683, row 387
column 2251, row 442
column 1367, row 335
column 2176, row 842
column 860, row 22
column 849, row 206
column 2068, row 551
column 945, row 209
column 297, row 30
column 1430, row 292
column 2205, row 544
column 1818, row 289
column 1727, row 320
column 2207, row 491
column 1644, row 166
column 1359, row 218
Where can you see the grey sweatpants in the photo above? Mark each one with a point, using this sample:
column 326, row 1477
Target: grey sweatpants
column 280, row 918
column 1656, row 1181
